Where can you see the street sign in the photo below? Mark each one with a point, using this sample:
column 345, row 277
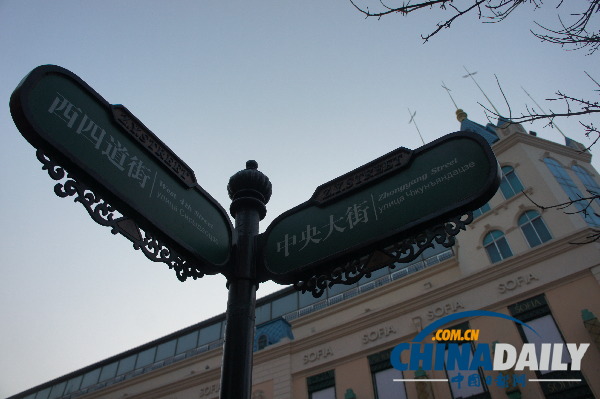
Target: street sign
column 398, row 194
column 112, row 159
column 113, row 154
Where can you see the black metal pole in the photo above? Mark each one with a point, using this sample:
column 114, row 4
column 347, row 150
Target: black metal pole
column 249, row 190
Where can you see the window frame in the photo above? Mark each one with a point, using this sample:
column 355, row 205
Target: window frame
column 530, row 222
column 494, row 242
column 587, row 180
column 480, row 395
column 564, row 180
column 321, row 382
column 510, row 180
column 380, row 362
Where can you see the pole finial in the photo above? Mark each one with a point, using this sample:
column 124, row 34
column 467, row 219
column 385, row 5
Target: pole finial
column 251, row 164
column 249, row 186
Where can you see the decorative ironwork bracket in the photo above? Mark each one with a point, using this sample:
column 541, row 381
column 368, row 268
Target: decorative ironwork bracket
column 403, row 251
column 107, row 215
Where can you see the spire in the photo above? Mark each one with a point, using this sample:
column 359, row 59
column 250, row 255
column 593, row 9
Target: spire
column 412, row 120
column 470, row 75
column 544, row 112
column 448, row 91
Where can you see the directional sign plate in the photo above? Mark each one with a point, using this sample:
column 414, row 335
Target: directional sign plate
column 379, row 203
column 115, row 154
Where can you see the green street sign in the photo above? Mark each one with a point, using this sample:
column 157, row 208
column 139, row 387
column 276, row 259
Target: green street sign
column 113, row 153
column 376, row 205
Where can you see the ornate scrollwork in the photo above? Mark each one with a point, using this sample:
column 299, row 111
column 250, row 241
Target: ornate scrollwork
column 403, row 251
column 106, row 215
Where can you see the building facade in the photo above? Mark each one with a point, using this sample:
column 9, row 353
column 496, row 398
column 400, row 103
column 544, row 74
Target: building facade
column 515, row 258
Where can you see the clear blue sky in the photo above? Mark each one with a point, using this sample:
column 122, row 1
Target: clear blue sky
column 309, row 89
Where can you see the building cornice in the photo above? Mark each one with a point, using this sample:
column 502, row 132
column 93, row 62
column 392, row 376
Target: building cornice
column 508, row 142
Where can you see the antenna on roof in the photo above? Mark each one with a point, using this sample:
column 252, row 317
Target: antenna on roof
column 412, row 120
column 541, row 109
column 448, row 90
column 470, row 75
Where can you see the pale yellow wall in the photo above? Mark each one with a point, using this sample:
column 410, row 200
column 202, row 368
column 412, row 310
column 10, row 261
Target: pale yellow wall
column 355, row 375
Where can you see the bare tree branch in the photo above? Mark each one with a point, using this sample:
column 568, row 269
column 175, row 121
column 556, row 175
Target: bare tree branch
column 448, row 22
column 585, row 210
column 576, row 34
column 572, row 106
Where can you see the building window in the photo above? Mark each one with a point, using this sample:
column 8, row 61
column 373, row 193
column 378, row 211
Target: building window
column 90, row 378
column 165, row 350
column 588, row 181
column 481, row 211
column 534, row 228
column 321, row 386
column 57, row 391
column 186, row 342
column 284, row 305
column 463, row 383
column 263, row 341
column 145, row 358
column 385, row 386
column 327, row 393
column 535, row 312
column 263, row 313
column 466, row 383
column 73, row 384
column 496, row 246
column 510, row 184
column 108, row 371
column 568, row 185
column 383, row 375
column 210, row 333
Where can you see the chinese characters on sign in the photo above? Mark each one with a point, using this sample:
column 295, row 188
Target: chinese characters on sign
column 355, row 214
column 375, row 207
column 115, row 152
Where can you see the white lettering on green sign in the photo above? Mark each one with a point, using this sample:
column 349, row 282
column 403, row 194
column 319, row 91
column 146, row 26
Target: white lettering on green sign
column 361, row 213
column 127, row 162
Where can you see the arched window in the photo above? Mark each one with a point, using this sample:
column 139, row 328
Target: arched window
column 534, row 228
column 510, row 184
column 587, row 180
column 574, row 194
column 496, row 246
column 263, row 341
